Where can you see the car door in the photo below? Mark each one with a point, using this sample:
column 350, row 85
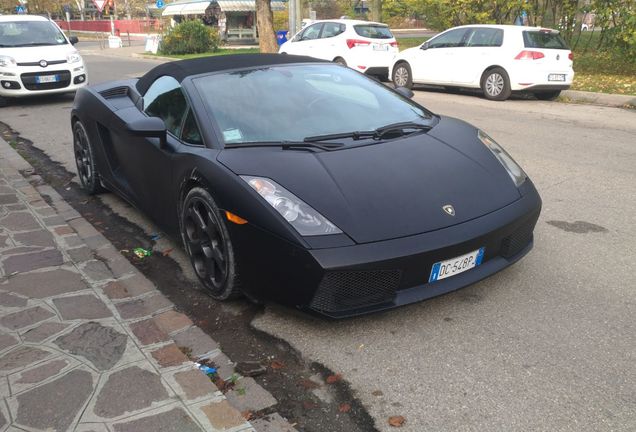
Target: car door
column 306, row 42
column 436, row 62
column 481, row 49
column 331, row 46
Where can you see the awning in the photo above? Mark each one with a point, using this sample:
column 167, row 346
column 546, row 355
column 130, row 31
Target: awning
column 246, row 5
column 191, row 8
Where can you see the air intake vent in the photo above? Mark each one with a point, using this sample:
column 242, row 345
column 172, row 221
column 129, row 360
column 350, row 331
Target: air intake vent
column 114, row 92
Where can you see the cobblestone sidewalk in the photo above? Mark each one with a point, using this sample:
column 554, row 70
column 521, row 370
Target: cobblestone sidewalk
column 87, row 343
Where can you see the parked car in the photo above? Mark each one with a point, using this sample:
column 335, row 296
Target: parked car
column 297, row 180
column 499, row 59
column 37, row 58
column 367, row 47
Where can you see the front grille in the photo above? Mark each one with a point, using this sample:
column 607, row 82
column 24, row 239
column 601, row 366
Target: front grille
column 29, row 80
column 518, row 240
column 37, row 63
column 345, row 290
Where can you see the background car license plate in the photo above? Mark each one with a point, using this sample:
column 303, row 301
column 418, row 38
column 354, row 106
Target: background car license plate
column 380, row 47
column 556, row 77
column 453, row 266
column 46, row 79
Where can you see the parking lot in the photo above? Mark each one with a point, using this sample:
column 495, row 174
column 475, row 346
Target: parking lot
column 547, row 344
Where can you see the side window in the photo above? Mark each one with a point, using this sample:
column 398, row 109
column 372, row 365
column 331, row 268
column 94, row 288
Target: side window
column 332, row 29
column 312, row 32
column 164, row 99
column 191, row 133
column 450, row 39
column 485, row 37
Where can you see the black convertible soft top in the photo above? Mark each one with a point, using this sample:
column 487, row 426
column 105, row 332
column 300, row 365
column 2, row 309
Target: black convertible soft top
column 185, row 68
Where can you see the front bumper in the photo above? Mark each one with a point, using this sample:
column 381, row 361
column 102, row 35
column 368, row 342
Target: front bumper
column 21, row 81
column 353, row 280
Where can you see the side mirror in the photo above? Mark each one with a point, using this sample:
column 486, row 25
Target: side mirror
column 73, row 40
column 405, row 92
column 424, row 46
column 149, row 127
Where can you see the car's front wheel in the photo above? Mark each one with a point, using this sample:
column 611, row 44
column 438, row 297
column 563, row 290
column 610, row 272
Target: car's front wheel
column 85, row 160
column 207, row 243
column 547, row 95
column 496, row 84
column 402, row 76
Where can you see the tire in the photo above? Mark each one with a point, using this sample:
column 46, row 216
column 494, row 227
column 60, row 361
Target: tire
column 547, row 95
column 207, row 242
column 340, row 61
column 85, row 160
column 402, row 75
column 496, row 84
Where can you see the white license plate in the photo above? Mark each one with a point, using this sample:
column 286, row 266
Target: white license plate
column 556, row 77
column 443, row 269
column 380, row 47
column 46, row 79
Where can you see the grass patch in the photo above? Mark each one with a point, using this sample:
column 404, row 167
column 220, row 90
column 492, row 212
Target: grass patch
column 220, row 51
column 410, row 42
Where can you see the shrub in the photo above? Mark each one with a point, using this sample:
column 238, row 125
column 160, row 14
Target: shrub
column 189, row 37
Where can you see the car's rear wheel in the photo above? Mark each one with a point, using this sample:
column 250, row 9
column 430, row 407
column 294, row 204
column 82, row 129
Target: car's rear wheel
column 402, row 76
column 207, row 243
column 340, row 61
column 496, row 84
column 85, row 160
column 547, row 95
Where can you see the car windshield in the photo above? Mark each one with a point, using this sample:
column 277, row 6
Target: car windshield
column 295, row 102
column 543, row 39
column 29, row 33
column 373, row 31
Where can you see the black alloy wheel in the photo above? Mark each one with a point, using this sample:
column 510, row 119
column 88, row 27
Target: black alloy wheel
column 208, row 245
column 85, row 161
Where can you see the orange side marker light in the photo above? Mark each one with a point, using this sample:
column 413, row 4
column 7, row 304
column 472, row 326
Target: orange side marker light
column 234, row 218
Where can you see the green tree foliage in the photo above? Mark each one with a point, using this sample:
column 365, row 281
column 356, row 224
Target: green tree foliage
column 189, row 37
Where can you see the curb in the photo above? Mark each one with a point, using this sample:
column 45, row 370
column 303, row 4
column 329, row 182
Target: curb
column 603, row 99
column 148, row 317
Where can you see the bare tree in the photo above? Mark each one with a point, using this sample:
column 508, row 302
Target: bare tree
column 265, row 24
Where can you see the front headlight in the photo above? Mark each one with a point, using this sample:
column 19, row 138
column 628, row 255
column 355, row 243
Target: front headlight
column 304, row 219
column 514, row 170
column 6, row 61
column 73, row 57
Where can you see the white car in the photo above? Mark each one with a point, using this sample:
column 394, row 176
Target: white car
column 499, row 59
column 37, row 58
column 367, row 47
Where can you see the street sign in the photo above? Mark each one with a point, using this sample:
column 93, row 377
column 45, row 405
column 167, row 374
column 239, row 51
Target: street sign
column 19, row 9
column 99, row 4
column 160, row 4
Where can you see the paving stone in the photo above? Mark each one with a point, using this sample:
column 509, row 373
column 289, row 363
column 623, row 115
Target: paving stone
column 42, row 372
column 168, row 356
column 3, row 421
column 81, row 307
column 172, row 321
column 20, row 250
column 21, row 357
column 45, row 284
column 45, row 211
column 96, row 241
column 247, row 395
column 73, row 241
column 19, row 221
column 175, row 420
column 80, row 254
column 142, row 307
column 53, row 220
column 272, row 423
column 32, row 261
column 3, row 241
column 53, row 406
column 224, row 366
column 129, row 390
column 35, row 238
column 129, row 287
column 25, row 317
column 97, row 271
column 10, row 300
column 16, row 207
column 102, row 346
column 148, row 332
column 195, row 384
column 6, row 340
column 64, row 230
column 196, row 340
column 8, row 199
column 222, row 416
column 6, row 189
column 43, row 331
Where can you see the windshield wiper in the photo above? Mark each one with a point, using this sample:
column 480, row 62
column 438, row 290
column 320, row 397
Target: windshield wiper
column 34, row 44
column 376, row 134
column 287, row 145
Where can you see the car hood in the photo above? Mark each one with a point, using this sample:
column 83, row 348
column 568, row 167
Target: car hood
column 35, row 54
column 392, row 189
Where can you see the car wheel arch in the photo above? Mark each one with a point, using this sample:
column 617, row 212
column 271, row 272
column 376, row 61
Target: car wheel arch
column 488, row 69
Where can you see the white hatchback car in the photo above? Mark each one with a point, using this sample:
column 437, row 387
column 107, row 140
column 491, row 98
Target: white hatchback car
column 367, row 47
column 499, row 59
column 37, row 58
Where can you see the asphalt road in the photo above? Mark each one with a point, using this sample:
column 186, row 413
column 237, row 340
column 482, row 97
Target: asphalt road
column 548, row 344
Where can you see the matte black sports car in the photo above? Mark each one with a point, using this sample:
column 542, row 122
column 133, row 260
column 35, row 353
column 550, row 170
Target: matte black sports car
column 305, row 182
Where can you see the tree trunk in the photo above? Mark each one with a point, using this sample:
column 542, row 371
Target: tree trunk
column 265, row 25
column 376, row 10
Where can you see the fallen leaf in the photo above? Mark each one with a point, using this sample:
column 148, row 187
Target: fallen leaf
column 247, row 415
column 377, row 393
column 344, row 408
column 166, row 252
column 308, row 384
column 309, row 405
column 396, row 421
column 276, row 365
column 332, row 379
